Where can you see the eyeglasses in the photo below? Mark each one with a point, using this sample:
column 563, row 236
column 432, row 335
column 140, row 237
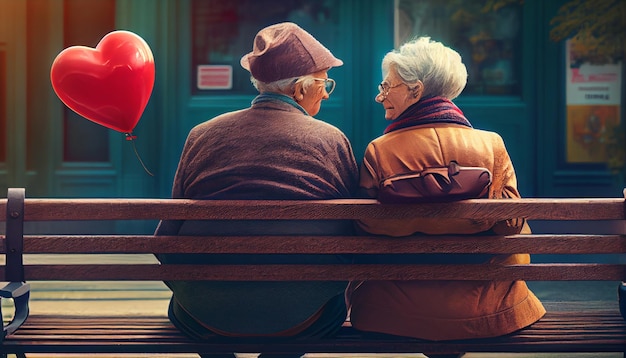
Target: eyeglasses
column 384, row 88
column 329, row 84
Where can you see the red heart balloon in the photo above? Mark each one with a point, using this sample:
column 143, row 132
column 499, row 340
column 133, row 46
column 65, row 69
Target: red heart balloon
column 109, row 85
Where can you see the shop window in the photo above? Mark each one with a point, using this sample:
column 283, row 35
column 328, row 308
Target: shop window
column 223, row 32
column 85, row 23
column 489, row 41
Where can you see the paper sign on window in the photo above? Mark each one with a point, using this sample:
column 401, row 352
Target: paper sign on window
column 593, row 106
column 213, row 77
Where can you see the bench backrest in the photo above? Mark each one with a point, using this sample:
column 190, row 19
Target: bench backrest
column 16, row 209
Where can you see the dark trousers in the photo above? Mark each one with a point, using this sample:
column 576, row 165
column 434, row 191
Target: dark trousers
column 332, row 317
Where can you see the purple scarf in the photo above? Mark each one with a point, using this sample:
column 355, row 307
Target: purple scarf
column 427, row 111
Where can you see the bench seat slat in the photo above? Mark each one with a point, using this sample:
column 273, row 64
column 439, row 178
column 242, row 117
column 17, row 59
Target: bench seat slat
column 553, row 244
column 156, row 272
column 65, row 334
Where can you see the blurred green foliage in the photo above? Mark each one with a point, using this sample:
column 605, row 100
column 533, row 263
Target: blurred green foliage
column 599, row 25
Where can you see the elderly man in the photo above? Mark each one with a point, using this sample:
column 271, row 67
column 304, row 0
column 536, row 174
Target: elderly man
column 273, row 150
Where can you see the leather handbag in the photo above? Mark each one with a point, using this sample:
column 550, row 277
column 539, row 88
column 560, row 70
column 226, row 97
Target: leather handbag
column 436, row 184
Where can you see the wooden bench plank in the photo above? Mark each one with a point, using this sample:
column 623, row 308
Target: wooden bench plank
column 181, row 209
column 157, row 272
column 557, row 331
column 533, row 244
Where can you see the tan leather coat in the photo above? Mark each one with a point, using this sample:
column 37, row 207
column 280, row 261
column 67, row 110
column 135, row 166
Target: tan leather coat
column 442, row 310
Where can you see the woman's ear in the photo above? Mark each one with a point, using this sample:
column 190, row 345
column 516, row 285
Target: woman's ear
column 418, row 90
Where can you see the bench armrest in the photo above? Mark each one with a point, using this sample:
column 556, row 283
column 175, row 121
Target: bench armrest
column 20, row 293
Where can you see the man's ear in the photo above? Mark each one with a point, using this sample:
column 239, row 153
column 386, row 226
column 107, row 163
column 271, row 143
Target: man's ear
column 298, row 91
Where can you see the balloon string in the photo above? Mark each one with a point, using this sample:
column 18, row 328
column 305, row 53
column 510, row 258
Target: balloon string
column 131, row 138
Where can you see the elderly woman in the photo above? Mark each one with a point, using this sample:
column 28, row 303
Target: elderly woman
column 427, row 130
column 273, row 150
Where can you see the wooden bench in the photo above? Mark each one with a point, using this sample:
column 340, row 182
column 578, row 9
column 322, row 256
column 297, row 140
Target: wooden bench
column 567, row 327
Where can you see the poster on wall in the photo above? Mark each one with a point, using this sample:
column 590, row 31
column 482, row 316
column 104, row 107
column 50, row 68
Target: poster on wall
column 593, row 96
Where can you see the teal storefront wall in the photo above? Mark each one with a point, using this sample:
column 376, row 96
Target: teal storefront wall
column 367, row 33
column 531, row 123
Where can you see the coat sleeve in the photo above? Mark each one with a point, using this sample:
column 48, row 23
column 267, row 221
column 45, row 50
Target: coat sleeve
column 504, row 186
column 369, row 176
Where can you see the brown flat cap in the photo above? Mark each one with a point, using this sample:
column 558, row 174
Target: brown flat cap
column 286, row 50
